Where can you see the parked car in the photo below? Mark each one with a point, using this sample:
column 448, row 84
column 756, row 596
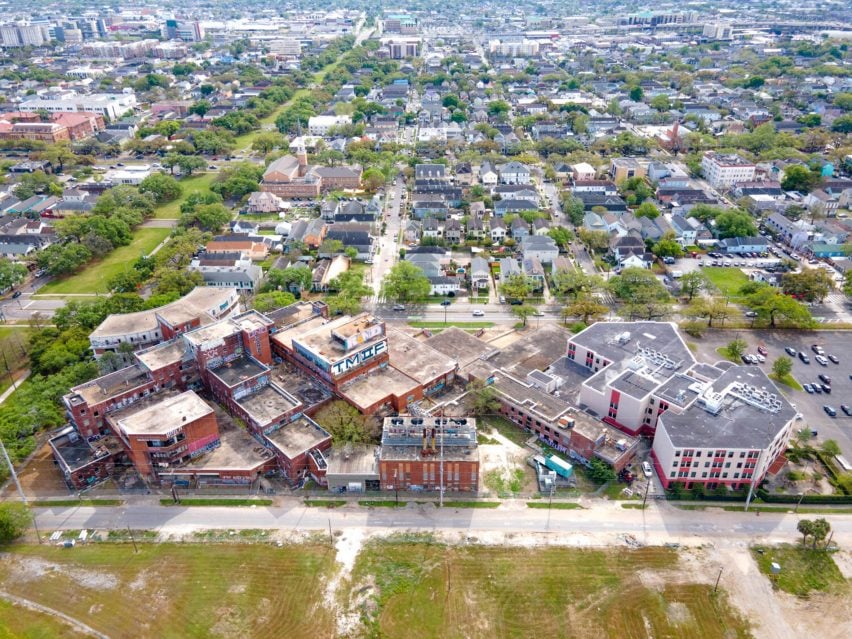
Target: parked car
column 763, row 350
column 817, row 388
column 833, row 358
column 479, row 313
column 446, row 303
column 760, row 358
column 750, row 314
column 16, row 294
column 830, row 411
column 826, row 389
column 846, row 409
column 805, row 359
column 398, row 307
column 808, row 389
column 824, row 378
column 646, row 469
column 822, row 361
column 816, row 348
column 790, row 351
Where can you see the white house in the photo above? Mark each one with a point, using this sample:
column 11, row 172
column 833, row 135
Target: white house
column 541, row 247
column 322, row 124
column 514, row 173
column 725, row 170
column 488, row 174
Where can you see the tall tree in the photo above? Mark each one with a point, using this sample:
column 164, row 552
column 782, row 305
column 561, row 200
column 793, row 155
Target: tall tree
column 406, row 282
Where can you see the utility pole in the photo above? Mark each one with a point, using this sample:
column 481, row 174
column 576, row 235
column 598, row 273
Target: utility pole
column 441, row 495
column 13, row 473
column 132, row 539
column 716, row 587
column 801, row 497
column 647, row 488
column 330, row 536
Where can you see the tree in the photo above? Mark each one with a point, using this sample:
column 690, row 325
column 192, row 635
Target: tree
column 238, row 180
column 842, row 124
column 636, row 94
column 595, row 241
column 11, row 273
column 599, row 471
column 516, row 287
column 498, row 108
column 660, row 102
column 189, row 163
column 574, row 283
column 15, row 518
column 265, row 302
column 799, row 178
column 330, row 247
column 522, row 311
column 574, row 209
column 163, row 188
column 168, row 280
column 736, row 348
column 265, row 142
column 735, row 223
column 647, row 209
column 561, row 236
column 372, row 180
column 294, row 279
column 806, row 528
column 208, row 217
column 811, row 284
column 692, row 283
column 819, row 531
column 481, row 398
column 406, row 282
column 831, row 448
column 781, row 367
column 667, row 246
column 772, row 305
column 344, row 422
column 58, row 155
column 200, row 108
column 585, row 308
column 642, row 294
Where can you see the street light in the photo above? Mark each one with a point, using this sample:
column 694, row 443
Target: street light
column 801, row 496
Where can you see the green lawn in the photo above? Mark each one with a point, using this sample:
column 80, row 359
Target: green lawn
column 728, row 280
column 19, row 622
column 93, row 278
column 802, row 569
column 471, row 504
column 559, row 505
column 72, row 503
column 176, row 591
column 14, row 345
column 325, row 503
column 217, row 502
column 197, row 182
column 422, row 324
column 787, row 380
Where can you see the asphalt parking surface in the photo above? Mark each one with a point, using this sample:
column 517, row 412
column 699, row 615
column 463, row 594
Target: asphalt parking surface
column 838, row 343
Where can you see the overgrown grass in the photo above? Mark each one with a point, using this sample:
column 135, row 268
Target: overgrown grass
column 723, row 351
column 471, row 504
column 420, row 590
column 71, row 503
column 557, row 505
column 507, row 429
column 505, row 485
column 19, row 622
column 325, row 503
column 803, row 570
column 630, row 506
column 208, row 590
column 216, row 501
column 94, row 277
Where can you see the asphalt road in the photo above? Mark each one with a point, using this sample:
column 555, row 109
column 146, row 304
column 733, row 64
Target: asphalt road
column 660, row 523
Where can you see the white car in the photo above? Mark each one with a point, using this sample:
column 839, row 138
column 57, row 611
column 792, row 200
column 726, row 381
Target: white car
column 479, row 313
column 646, row 469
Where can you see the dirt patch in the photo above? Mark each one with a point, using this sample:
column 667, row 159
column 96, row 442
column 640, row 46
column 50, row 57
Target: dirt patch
column 35, row 568
column 678, row 614
column 348, row 545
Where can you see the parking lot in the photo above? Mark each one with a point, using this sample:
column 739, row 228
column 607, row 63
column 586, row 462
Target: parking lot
column 838, row 343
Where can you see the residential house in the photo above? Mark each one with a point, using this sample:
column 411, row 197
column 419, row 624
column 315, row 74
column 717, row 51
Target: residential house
column 412, row 232
column 822, row 203
column 429, row 206
column 582, row 171
column 353, row 234
column 228, row 270
column 624, row 168
column 253, row 249
column 432, row 228
column 534, row 272
column 264, row 202
column 791, row 233
column 476, row 227
column 541, row 247
column 628, row 246
column 520, row 229
column 740, row 245
column 518, row 192
column 605, row 187
column 506, row 207
column 540, row 226
column 488, row 175
column 508, row 267
column 453, row 231
column 480, row 273
column 498, row 230
column 514, row 173
column 445, row 284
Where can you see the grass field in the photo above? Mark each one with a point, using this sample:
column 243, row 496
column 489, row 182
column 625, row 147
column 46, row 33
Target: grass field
column 728, row 280
column 802, row 570
column 559, row 505
column 325, row 503
column 198, row 182
column 169, row 591
column 469, row 325
column 94, row 278
column 787, row 380
column 429, row 590
column 14, row 345
column 225, row 501
column 17, row 622
column 71, row 503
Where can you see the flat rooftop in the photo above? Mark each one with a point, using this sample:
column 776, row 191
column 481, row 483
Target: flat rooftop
column 416, row 453
column 102, row 388
column 269, row 404
column 353, row 459
column 162, row 355
column 536, row 350
column 239, row 370
column 75, row 451
column 620, row 341
column 237, row 450
column 211, row 335
column 291, row 314
column 738, row 424
column 298, row 437
column 367, row 390
column 407, row 430
column 194, row 304
column 459, row 345
column 322, row 341
column 163, row 414
column 285, row 336
column 417, row 359
column 550, row 407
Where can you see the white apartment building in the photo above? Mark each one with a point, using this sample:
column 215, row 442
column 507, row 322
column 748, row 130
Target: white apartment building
column 109, row 105
column 725, row 170
column 322, row 124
